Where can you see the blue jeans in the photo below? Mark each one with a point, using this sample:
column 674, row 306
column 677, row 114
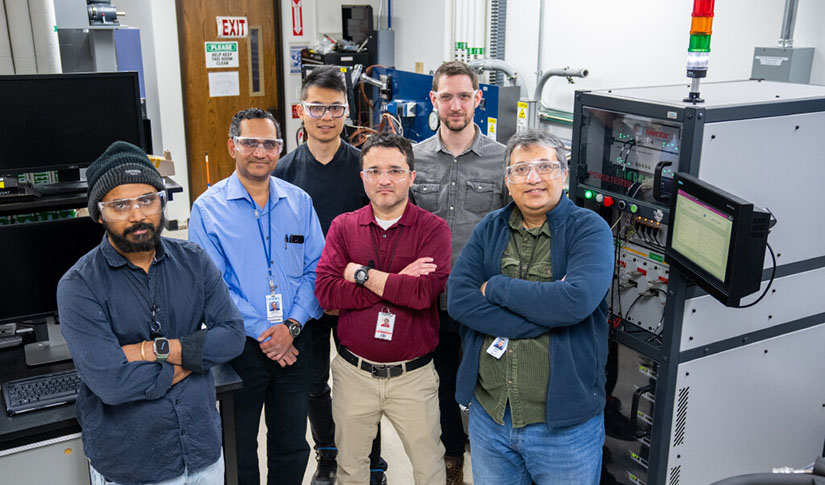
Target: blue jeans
column 210, row 475
column 558, row 456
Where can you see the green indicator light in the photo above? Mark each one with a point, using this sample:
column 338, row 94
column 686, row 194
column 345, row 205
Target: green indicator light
column 634, row 208
column 699, row 43
column 588, row 194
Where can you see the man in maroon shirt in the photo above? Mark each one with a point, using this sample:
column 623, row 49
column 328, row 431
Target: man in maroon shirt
column 384, row 267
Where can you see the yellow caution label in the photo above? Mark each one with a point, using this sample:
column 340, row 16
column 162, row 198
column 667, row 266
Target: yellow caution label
column 2, row 185
column 522, row 110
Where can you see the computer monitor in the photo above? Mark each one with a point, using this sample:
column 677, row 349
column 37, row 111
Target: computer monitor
column 37, row 255
column 716, row 239
column 65, row 121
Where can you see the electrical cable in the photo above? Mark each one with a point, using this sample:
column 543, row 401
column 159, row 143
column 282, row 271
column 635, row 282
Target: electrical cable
column 770, row 282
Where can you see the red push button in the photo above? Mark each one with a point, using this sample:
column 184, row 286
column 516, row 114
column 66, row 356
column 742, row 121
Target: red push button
column 608, row 201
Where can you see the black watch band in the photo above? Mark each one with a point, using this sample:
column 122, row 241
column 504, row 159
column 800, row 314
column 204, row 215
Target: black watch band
column 362, row 275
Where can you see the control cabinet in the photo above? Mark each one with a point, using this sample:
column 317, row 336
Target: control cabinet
column 698, row 391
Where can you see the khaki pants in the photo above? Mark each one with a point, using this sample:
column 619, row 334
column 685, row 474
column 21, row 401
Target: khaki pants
column 409, row 401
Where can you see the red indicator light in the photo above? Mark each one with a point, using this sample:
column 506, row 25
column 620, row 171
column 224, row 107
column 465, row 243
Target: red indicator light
column 703, row 8
column 608, row 201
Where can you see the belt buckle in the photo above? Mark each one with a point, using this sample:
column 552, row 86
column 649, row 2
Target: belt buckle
column 380, row 371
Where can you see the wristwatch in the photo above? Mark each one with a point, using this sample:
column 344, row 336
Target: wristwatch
column 294, row 328
column 362, row 275
column 161, row 347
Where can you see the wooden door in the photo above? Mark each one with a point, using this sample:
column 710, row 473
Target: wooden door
column 259, row 78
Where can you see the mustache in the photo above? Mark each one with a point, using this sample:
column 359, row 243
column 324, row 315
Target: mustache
column 138, row 227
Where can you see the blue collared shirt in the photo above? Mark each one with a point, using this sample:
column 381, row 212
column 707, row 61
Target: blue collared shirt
column 228, row 224
column 136, row 428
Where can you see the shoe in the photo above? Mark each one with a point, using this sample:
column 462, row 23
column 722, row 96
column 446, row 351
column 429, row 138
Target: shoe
column 378, row 477
column 325, row 472
column 455, row 469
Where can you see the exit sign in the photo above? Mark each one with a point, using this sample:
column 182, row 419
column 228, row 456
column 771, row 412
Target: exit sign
column 232, row 27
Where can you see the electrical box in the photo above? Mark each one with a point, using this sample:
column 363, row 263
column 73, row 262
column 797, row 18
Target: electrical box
column 694, row 386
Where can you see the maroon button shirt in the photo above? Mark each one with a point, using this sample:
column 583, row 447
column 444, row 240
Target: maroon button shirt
column 355, row 236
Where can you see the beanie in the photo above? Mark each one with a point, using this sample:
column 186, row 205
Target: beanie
column 121, row 163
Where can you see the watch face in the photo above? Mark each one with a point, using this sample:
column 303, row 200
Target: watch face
column 162, row 346
column 295, row 329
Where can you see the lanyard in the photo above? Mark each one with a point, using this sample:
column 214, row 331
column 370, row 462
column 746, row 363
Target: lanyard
column 524, row 269
column 392, row 254
column 267, row 247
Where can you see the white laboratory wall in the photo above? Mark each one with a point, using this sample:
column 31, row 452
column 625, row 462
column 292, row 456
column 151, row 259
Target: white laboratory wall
column 157, row 21
column 645, row 42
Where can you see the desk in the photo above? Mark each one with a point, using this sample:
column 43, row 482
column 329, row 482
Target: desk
column 58, row 421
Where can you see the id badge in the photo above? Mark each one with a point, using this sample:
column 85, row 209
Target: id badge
column 384, row 325
column 497, row 348
column 274, row 308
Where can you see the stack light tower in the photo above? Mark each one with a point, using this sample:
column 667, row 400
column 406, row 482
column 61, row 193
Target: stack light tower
column 699, row 47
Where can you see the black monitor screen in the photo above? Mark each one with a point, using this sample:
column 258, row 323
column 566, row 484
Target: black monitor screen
column 60, row 121
column 716, row 239
column 702, row 233
column 35, row 257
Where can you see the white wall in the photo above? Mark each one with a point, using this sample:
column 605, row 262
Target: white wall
column 157, row 21
column 645, row 42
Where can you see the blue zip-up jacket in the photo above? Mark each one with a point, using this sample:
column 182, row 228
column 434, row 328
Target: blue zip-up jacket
column 572, row 310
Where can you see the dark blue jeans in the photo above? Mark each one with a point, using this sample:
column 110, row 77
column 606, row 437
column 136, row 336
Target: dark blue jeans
column 283, row 394
column 447, row 356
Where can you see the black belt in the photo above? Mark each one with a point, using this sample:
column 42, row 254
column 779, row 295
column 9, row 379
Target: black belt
column 380, row 371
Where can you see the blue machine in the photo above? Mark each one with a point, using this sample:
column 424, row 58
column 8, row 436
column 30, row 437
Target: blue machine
column 409, row 102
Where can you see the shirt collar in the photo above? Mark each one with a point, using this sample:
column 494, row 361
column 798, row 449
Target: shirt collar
column 476, row 146
column 408, row 218
column 116, row 260
column 235, row 190
column 516, row 222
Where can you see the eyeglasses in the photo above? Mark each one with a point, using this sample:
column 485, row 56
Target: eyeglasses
column 121, row 209
column 519, row 172
column 318, row 110
column 395, row 174
column 271, row 145
column 447, row 98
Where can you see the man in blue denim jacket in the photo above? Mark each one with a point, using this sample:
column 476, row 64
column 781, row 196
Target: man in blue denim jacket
column 529, row 291
column 145, row 318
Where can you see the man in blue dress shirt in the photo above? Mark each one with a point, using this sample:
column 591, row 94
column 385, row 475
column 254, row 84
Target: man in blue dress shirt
column 265, row 238
column 145, row 318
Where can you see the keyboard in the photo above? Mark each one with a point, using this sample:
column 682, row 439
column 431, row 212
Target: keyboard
column 39, row 392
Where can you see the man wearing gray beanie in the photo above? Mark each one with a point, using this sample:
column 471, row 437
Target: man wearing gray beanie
column 145, row 318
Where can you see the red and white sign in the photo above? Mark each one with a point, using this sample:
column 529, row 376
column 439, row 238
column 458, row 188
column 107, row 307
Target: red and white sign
column 232, row 27
column 297, row 18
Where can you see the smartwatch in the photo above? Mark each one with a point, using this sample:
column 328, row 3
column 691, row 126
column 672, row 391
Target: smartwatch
column 362, row 275
column 161, row 347
column 294, row 328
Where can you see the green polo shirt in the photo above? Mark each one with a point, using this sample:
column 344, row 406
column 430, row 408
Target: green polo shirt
column 521, row 375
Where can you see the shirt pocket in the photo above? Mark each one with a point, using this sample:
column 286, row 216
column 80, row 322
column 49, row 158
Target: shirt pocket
column 293, row 261
column 426, row 195
column 479, row 196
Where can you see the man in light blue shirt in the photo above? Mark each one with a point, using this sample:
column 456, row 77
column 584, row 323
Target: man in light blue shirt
column 265, row 238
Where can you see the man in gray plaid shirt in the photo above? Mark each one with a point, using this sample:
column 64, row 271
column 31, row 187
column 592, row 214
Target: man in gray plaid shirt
column 460, row 178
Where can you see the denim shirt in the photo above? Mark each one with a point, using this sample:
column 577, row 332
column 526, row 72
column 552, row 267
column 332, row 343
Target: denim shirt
column 463, row 189
column 137, row 427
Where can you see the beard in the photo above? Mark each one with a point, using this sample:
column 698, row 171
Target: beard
column 144, row 243
column 456, row 125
